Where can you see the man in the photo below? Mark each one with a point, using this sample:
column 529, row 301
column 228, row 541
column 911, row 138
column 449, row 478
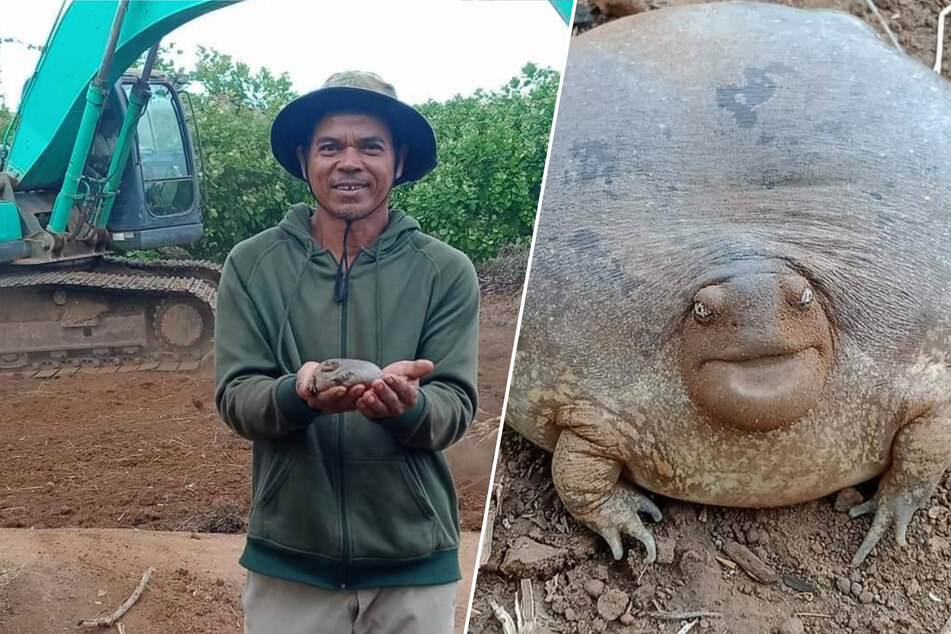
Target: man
column 104, row 144
column 354, row 520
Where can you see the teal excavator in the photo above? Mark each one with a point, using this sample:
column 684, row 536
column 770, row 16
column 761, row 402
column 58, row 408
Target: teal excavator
column 98, row 160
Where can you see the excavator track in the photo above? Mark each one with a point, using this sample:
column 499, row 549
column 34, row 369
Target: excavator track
column 114, row 318
column 201, row 269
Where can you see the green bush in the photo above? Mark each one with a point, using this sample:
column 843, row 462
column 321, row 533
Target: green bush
column 492, row 148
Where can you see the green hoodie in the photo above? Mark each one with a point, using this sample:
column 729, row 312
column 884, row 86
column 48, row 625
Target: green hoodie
column 340, row 500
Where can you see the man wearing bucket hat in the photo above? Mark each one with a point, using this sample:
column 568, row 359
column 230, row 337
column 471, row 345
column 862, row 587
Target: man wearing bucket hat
column 354, row 521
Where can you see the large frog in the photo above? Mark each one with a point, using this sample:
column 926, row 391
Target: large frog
column 740, row 292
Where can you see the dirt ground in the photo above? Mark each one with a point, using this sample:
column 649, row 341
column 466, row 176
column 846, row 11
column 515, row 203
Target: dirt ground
column 147, row 451
column 578, row 587
column 51, row 578
column 913, row 22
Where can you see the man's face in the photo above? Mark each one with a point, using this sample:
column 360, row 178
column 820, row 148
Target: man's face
column 351, row 164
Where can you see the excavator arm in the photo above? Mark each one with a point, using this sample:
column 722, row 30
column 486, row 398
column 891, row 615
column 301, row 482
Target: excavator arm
column 55, row 95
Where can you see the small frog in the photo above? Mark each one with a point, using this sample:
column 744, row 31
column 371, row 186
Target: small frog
column 346, row 372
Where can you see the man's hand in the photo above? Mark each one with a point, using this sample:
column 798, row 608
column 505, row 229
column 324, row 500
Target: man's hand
column 397, row 391
column 333, row 400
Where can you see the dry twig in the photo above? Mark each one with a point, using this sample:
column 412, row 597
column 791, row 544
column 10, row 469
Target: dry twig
column 939, row 51
column 881, row 20
column 687, row 627
column 108, row 621
column 681, row 616
column 520, row 624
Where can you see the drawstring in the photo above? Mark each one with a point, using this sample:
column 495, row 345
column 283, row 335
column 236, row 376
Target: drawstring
column 290, row 304
column 342, row 284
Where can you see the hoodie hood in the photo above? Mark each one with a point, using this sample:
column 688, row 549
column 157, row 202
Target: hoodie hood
column 398, row 230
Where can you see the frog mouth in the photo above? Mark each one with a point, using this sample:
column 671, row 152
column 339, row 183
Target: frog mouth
column 761, row 392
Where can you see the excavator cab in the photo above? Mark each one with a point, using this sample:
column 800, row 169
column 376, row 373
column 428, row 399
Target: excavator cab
column 158, row 203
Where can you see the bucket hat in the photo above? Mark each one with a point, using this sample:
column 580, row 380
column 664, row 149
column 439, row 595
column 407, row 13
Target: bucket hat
column 357, row 91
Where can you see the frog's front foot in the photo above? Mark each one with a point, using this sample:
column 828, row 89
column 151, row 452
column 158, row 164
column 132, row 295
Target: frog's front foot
column 619, row 515
column 893, row 506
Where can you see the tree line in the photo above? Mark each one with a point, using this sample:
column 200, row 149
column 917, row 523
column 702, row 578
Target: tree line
column 481, row 197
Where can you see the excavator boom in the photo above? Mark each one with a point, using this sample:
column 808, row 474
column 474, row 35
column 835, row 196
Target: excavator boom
column 54, row 97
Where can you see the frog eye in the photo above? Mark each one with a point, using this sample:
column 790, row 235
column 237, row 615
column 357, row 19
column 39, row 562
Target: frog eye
column 806, row 298
column 701, row 312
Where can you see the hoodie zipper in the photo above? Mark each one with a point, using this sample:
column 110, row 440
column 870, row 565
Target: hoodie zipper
column 344, row 527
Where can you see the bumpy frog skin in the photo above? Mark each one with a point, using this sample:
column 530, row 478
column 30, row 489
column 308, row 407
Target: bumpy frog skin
column 346, row 372
column 740, row 291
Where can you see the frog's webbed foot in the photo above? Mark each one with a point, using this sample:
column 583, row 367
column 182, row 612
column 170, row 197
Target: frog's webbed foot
column 893, row 506
column 587, row 479
column 619, row 515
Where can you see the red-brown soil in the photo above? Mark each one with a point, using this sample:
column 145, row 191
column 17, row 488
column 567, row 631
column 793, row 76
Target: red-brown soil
column 51, row 578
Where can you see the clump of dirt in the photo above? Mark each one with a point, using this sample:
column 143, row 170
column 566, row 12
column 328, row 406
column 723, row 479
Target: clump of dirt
column 505, row 273
column 778, row 570
column 227, row 518
column 913, row 22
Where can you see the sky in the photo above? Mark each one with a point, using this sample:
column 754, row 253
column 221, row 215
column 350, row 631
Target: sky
column 428, row 49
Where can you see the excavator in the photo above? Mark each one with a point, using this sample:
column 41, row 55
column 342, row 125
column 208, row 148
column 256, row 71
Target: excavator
column 98, row 161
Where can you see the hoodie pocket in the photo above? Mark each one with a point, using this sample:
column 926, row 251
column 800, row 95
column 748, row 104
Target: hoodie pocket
column 389, row 514
column 431, row 472
column 298, row 508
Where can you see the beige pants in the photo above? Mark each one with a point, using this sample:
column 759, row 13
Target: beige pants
column 284, row 607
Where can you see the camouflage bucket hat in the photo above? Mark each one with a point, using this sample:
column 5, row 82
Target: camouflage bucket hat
column 356, row 91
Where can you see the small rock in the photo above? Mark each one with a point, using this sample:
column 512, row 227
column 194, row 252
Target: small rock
column 913, row 588
column 643, row 595
column 599, row 625
column 846, row 499
column 601, row 573
column 752, row 536
column 937, row 545
column 792, row 625
column 620, row 8
column 856, row 588
column 594, row 587
column 843, row 584
column 627, row 619
column 528, row 558
column 665, row 549
column 570, row 614
column 866, row 597
column 612, row 604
